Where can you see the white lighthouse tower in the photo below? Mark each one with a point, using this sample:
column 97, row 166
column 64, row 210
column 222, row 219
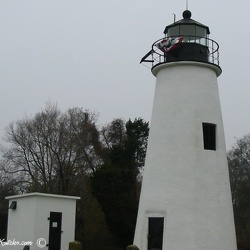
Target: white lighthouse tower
column 185, row 201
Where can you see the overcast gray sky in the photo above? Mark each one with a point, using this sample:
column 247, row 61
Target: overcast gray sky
column 86, row 53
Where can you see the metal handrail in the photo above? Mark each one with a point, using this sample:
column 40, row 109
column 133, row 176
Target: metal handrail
column 158, row 56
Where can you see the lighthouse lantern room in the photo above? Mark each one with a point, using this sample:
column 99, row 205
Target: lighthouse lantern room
column 186, row 39
column 185, row 201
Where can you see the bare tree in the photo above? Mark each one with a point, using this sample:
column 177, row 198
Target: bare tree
column 114, row 133
column 51, row 150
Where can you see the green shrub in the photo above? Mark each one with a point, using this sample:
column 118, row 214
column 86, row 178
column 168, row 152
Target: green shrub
column 132, row 247
column 75, row 245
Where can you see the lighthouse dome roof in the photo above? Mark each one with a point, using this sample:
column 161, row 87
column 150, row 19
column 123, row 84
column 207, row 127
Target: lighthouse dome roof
column 186, row 14
column 186, row 21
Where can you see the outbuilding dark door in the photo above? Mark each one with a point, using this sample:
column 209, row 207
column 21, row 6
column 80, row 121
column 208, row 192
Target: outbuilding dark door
column 55, row 230
column 155, row 233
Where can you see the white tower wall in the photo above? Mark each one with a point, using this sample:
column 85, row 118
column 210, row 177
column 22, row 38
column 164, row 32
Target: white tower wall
column 183, row 182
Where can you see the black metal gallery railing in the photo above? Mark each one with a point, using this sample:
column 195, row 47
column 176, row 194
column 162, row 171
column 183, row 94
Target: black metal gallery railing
column 183, row 48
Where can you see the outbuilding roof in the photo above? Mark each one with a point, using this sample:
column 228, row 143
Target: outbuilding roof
column 42, row 195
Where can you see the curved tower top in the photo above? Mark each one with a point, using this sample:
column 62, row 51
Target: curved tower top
column 185, row 40
column 187, row 25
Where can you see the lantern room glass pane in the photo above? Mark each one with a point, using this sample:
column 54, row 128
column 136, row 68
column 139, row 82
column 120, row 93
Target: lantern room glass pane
column 191, row 33
column 174, row 31
column 201, row 32
column 187, row 30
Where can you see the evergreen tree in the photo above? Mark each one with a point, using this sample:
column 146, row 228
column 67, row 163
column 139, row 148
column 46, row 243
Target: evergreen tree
column 239, row 169
column 115, row 183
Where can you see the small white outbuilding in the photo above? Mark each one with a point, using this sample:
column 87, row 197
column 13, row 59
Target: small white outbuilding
column 41, row 221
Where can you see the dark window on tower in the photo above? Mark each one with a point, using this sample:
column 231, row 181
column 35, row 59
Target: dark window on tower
column 155, row 233
column 209, row 136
